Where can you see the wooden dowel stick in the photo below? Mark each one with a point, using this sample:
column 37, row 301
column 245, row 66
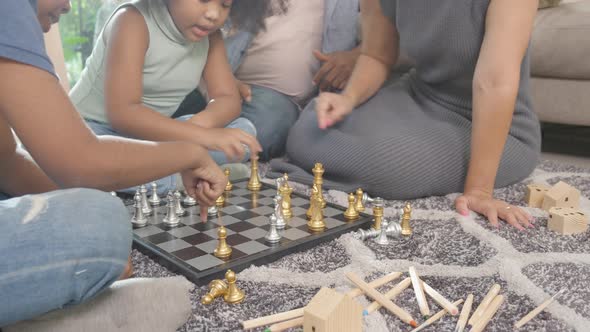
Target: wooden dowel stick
column 373, row 293
column 267, row 320
column 376, row 283
column 390, row 295
column 465, row 311
column 438, row 298
column 536, row 311
column 419, row 291
column 494, row 290
column 490, row 311
column 435, row 317
column 285, row 325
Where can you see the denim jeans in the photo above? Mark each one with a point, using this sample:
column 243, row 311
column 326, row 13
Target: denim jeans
column 58, row 249
column 170, row 182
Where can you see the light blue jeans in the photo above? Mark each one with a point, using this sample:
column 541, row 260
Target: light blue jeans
column 58, row 249
column 170, row 182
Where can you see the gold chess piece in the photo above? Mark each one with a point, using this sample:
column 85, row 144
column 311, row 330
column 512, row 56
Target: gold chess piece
column 359, row 201
column 220, row 201
column 229, row 185
column 316, row 222
column 223, row 250
column 233, row 295
column 378, row 216
column 406, row 228
column 312, row 197
column 217, row 288
column 254, row 182
column 285, row 191
column 318, row 172
column 351, row 213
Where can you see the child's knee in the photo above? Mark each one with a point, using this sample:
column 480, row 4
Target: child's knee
column 245, row 125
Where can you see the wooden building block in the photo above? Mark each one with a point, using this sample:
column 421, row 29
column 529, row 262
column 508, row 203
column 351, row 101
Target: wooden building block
column 567, row 221
column 561, row 195
column 535, row 193
column 330, row 311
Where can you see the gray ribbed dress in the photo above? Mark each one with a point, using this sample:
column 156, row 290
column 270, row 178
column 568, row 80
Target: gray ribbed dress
column 412, row 139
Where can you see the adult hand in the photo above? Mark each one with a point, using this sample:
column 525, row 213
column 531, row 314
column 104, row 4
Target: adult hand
column 245, row 91
column 493, row 209
column 204, row 183
column 231, row 142
column 332, row 107
column 335, row 70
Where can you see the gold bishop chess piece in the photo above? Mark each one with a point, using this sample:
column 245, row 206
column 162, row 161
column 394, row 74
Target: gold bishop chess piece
column 229, row 185
column 351, row 213
column 316, row 222
column 254, row 182
column 377, row 213
column 223, row 250
column 359, row 201
column 217, row 288
column 233, row 295
column 406, row 228
column 318, row 172
column 285, row 191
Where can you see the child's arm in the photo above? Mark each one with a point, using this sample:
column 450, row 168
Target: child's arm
column 225, row 103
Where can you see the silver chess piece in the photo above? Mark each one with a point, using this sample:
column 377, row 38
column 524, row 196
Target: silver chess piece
column 382, row 238
column 279, row 183
column 273, row 235
column 113, row 194
column 145, row 205
column 393, row 229
column 278, row 200
column 171, row 219
column 189, row 201
column 155, row 199
column 139, row 219
column 178, row 209
column 366, row 199
column 212, row 210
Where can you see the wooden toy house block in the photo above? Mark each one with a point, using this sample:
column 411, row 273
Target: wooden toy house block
column 561, row 195
column 330, row 311
column 535, row 194
column 567, row 221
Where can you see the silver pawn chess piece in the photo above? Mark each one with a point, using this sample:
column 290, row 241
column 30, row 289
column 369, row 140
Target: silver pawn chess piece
column 180, row 211
column 139, row 219
column 394, row 229
column 212, row 210
column 189, row 201
column 382, row 238
column 155, row 199
column 278, row 200
column 145, row 205
column 171, row 219
column 273, row 235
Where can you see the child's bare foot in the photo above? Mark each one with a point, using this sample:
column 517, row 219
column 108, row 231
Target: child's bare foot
column 128, row 272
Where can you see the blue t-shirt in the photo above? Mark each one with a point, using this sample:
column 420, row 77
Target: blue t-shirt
column 21, row 37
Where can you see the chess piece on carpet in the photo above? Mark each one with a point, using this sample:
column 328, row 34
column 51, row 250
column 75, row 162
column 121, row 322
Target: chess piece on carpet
column 285, row 191
column 155, row 199
column 377, row 213
column 234, row 295
column 316, row 223
column 359, row 200
column 278, row 201
column 139, row 219
column 406, row 228
column 273, row 236
column 171, row 219
column 394, row 229
column 229, row 185
column 179, row 210
column 220, row 201
column 254, row 182
column 223, row 250
column 145, row 205
column 217, row 288
column 382, row 238
column 318, row 172
column 351, row 213
column 189, row 201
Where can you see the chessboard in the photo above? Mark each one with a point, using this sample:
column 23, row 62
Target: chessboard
column 188, row 248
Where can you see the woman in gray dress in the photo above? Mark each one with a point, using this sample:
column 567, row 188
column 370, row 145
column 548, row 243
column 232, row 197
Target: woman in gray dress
column 460, row 121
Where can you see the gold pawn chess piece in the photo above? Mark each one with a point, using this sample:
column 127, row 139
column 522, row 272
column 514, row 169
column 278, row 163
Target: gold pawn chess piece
column 254, row 182
column 220, row 201
column 406, row 228
column 234, row 295
column 217, row 288
column 318, row 172
column 316, row 222
column 351, row 213
column 359, row 200
column 378, row 217
column 223, row 250
column 229, row 185
column 285, row 191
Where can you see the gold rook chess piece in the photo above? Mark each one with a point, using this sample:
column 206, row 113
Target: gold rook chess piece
column 254, row 182
column 220, row 201
column 316, row 222
column 359, row 201
column 351, row 213
column 406, row 228
column 223, row 250
column 318, row 172
column 378, row 216
column 217, row 288
column 285, row 191
column 234, row 294
column 228, row 186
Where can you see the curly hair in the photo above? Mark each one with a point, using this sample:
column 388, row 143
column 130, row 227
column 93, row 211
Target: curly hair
column 249, row 15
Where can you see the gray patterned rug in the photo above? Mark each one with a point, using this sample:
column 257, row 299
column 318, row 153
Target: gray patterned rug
column 455, row 255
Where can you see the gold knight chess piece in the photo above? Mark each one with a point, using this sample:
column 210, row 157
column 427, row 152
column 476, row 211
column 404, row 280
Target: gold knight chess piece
column 217, row 288
column 318, row 172
column 316, row 222
column 254, row 182
column 285, row 191
column 351, row 213
column 233, row 295
column 223, row 250
column 405, row 223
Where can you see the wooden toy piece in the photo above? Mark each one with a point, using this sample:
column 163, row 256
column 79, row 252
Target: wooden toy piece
column 330, row 311
column 535, row 193
column 567, row 221
column 561, row 195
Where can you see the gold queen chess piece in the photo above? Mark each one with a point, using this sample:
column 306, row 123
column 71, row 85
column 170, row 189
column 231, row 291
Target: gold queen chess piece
column 405, row 223
column 318, row 172
column 254, row 182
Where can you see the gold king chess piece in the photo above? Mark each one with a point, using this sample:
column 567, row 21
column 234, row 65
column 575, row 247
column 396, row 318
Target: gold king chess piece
column 233, row 295
column 406, row 228
column 229, row 185
column 359, row 201
column 351, row 213
column 316, row 222
column 217, row 288
column 318, row 172
column 377, row 214
column 223, row 250
column 254, row 182
column 285, row 191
